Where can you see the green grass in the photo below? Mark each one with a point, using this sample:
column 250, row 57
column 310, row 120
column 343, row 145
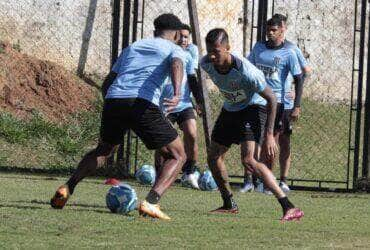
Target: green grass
column 319, row 142
column 27, row 221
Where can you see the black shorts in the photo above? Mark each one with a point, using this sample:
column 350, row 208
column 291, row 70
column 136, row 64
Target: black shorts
column 244, row 125
column 283, row 123
column 180, row 117
column 142, row 116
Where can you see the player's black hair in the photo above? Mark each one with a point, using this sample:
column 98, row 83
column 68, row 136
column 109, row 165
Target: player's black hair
column 282, row 17
column 167, row 21
column 186, row 27
column 274, row 21
column 216, row 35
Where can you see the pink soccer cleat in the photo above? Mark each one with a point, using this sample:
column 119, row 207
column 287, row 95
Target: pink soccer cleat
column 293, row 214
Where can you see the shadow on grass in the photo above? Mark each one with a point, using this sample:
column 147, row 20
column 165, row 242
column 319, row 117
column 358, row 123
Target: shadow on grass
column 18, row 206
column 80, row 207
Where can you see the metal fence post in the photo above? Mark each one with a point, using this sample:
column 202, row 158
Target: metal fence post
column 366, row 140
column 193, row 14
column 359, row 93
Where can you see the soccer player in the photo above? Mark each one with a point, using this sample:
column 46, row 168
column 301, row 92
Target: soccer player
column 242, row 120
column 291, row 113
column 276, row 61
column 133, row 89
column 183, row 113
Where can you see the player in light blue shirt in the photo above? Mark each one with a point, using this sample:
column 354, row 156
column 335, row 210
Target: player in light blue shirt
column 132, row 90
column 183, row 114
column 242, row 120
column 277, row 62
column 291, row 112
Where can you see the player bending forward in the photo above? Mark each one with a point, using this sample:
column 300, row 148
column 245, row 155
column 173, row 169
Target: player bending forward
column 242, row 120
column 133, row 90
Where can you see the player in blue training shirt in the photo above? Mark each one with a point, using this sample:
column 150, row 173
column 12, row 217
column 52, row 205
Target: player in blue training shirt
column 183, row 113
column 291, row 112
column 276, row 61
column 242, row 120
column 132, row 91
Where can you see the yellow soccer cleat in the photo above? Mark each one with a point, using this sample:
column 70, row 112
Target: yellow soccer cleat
column 153, row 210
column 60, row 198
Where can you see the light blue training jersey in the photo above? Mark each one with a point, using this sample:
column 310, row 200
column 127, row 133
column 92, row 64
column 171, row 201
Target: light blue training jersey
column 288, row 100
column 275, row 64
column 191, row 64
column 240, row 87
column 143, row 68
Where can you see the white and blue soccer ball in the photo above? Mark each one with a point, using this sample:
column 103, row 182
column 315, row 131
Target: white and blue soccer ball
column 121, row 199
column 206, row 181
column 185, row 181
column 146, row 175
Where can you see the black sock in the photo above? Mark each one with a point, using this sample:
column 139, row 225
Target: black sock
column 153, row 197
column 189, row 167
column 71, row 186
column 228, row 201
column 285, row 204
column 282, row 179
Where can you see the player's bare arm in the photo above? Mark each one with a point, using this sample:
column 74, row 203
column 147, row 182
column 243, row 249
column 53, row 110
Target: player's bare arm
column 177, row 74
column 270, row 144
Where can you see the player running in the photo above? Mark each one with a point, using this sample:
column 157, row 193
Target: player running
column 133, row 89
column 242, row 120
column 183, row 114
column 276, row 61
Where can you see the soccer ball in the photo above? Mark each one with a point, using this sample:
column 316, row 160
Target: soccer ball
column 184, row 180
column 146, row 175
column 121, row 199
column 206, row 182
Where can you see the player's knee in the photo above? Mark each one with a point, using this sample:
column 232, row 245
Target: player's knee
column 250, row 163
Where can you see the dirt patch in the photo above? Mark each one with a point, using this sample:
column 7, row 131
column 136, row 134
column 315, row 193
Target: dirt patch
column 29, row 85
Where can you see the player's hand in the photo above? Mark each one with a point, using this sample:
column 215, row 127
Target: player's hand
column 295, row 114
column 170, row 104
column 270, row 146
column 290, row 95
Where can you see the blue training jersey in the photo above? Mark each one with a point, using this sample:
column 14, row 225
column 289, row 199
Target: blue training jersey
column 143, row 68
column 275, row 64
column 288, row 100
column 191, row 64
column 240, row 87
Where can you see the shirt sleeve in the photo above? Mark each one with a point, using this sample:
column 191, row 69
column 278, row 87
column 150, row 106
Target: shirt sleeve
column 190, row 65
column 294, row 66
column 254, row 78
column 301, row 59
column 178, row 52
column 194, row 52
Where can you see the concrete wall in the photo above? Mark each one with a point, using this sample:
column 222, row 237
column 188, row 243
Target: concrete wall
column 76, row 34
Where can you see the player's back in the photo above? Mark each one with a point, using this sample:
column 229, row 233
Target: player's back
column 142, row 69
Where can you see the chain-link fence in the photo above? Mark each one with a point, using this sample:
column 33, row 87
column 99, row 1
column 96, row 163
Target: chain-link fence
column 77, row 35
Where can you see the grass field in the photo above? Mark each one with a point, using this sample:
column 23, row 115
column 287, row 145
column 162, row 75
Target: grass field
column 27, row 221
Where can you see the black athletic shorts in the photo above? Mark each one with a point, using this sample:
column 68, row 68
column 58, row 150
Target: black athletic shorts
column 140, row 115
column 180, row 117
column 283, row 123
column 244, row 125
